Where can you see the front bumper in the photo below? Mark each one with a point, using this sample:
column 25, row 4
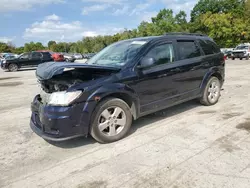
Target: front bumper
column 239, row 55
column 58, row 123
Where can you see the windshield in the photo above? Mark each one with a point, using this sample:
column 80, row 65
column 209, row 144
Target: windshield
column 242, row 48
column 117, row 54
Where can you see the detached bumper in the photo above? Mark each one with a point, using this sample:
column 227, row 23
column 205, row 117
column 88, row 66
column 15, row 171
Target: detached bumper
column 58, row 123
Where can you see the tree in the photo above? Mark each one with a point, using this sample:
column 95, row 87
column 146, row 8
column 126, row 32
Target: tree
column 5, row 47
column 50, row 43
column 236, row 7
column 28, row 47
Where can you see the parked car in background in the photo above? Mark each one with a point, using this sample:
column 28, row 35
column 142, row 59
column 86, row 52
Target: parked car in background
column 241, row 51
column 78, row 56
column 58, row 57
column 30, row 59
column 69, row 58
column 228, row 54
column 88, row 56
column 103, row 97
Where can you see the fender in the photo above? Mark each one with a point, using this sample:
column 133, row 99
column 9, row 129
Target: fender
column 112, row 89
column 208, row 75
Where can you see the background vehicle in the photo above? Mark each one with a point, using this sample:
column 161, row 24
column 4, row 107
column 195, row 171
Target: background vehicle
column 30, row 59
column 78, row 56
column 126, row 80
column 69, row 58
column 241, row 51
column 57, row 57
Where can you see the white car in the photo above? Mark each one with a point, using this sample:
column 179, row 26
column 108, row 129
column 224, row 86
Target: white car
column 241, row 51
column 78, row 56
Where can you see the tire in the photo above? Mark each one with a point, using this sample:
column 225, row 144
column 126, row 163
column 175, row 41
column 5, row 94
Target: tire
column 240, row 58
column 111, row 131
column 13, row 67
column 67, row 60
column 247, row 58
column 211, row 94
column 233, row 58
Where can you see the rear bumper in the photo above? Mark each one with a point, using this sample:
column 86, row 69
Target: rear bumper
column 58, row 123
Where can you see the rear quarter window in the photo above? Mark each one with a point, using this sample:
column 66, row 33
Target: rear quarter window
column 209, row 47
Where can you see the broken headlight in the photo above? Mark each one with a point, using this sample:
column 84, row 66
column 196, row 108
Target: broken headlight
column 63, row 98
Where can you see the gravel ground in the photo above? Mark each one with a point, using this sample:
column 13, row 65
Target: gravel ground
column 185, row 146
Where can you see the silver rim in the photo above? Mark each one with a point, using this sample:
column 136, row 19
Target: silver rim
column 112, row 121
column 213, row 91
column 12, row 67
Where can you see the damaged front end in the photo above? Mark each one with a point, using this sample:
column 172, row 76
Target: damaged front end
column 56, row 78
column 58, row 112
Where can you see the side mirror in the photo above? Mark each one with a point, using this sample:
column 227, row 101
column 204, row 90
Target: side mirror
column 146, row 62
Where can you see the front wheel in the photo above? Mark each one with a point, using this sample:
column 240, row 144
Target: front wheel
column 13, row 67
column 111, row 120
column 211, row 93
column 67, row 60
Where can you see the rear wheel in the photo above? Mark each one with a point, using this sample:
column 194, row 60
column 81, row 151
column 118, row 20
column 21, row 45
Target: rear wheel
column 67, row 60
column 241, row 58
column 247, row 58
column 233, row 58
column 211, row 93
column 111, row 121
column 13, row 67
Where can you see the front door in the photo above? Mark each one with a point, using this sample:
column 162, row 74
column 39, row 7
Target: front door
column 155, row 83
column 25, row 60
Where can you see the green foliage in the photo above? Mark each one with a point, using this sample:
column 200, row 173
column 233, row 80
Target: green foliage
column 28, row 47
column 50, row 43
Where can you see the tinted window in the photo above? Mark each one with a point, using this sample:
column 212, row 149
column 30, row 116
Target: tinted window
column 46, row 55
column 162, row 54
column 25, row 56
column 188, row 49
column 36, row 55
column 209, row 47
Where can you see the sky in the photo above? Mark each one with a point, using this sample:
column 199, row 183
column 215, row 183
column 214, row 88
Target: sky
column 70, row 20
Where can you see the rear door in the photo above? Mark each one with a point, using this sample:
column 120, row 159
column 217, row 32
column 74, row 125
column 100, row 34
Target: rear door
column 190, row 68
column 36, row 58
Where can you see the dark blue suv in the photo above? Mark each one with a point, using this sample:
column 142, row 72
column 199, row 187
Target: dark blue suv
column 125, row 81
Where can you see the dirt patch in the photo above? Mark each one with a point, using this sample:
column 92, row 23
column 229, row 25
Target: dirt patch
column 226, row 142
column 207, row 112
column 8, row 78
column 10, row 84
column 230, row 115
column 244, row 126
column 94, row 184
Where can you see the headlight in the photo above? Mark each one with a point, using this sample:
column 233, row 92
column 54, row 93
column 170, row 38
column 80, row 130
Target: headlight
column 4, row 61
column 63, row 98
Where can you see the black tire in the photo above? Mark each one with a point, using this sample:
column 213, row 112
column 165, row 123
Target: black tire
column 233, row 58
column 205, row 99
column 13, row 67
column 247, row 58
column 67, row 60
column 241, row 58
column 100, row 136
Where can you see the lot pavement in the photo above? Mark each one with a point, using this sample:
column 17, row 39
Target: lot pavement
column 185, row 146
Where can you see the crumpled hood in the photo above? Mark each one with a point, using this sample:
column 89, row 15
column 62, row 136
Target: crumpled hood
column 47, row 70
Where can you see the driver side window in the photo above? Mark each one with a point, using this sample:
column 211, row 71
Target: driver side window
column 25, row 56
column 162, row 54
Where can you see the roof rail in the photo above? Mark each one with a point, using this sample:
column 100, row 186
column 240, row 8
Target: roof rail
column 181, row 33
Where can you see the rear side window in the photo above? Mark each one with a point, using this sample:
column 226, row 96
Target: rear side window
column 209, row 47
column 36, row 55
column 46, row 55
column 188, row 49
